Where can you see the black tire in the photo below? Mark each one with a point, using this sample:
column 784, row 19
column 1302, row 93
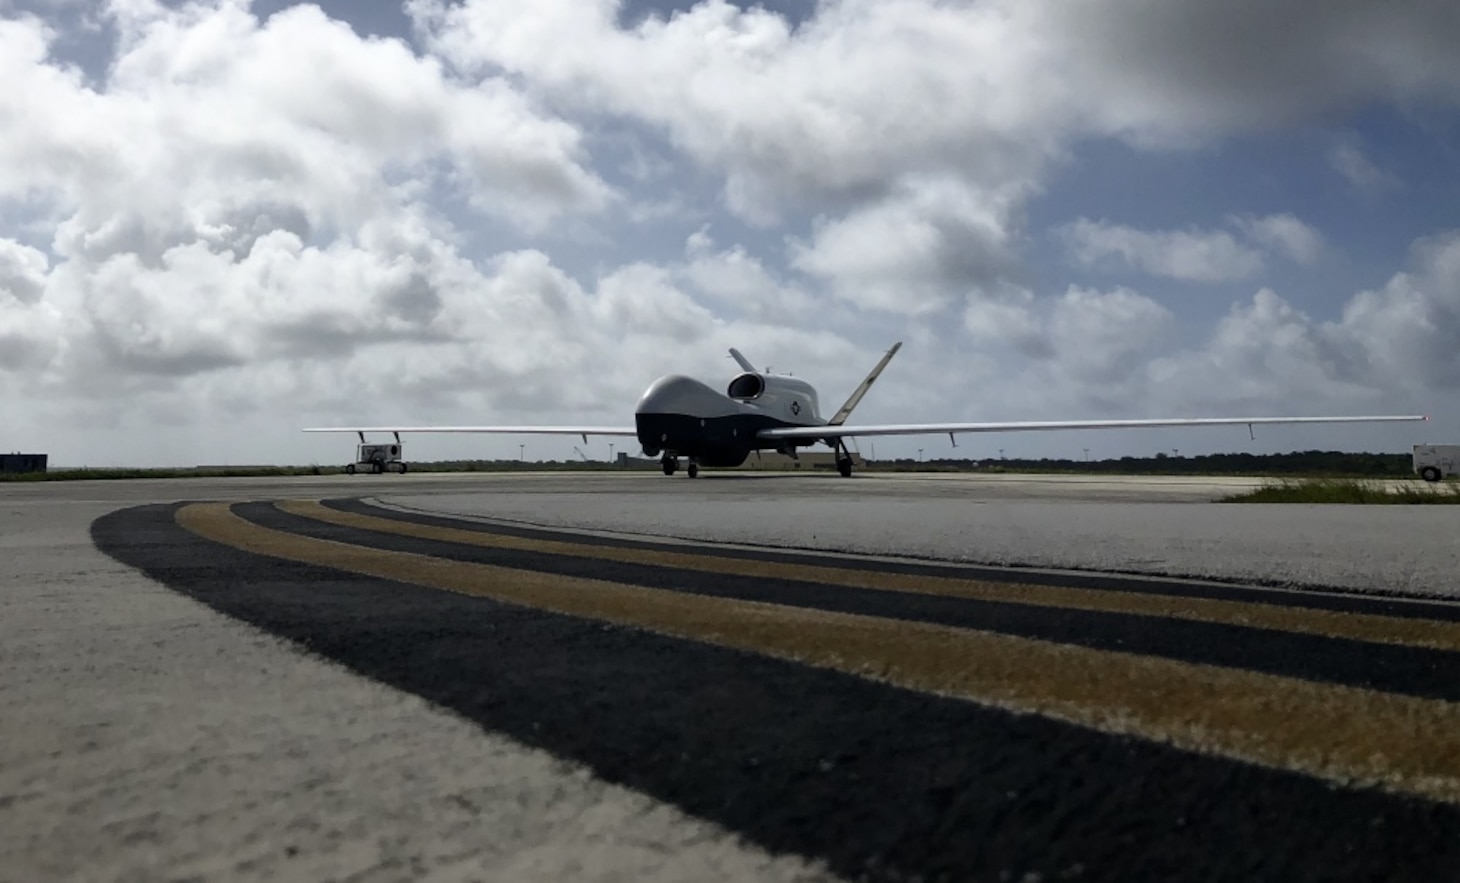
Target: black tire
column 844, row 466
column 668, row 465
column 1430, row 473
column 402, row 468
column 350, row 469
column 693, row 469
column 377, row 467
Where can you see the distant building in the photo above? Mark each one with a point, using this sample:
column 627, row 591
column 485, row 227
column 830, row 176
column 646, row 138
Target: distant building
column 22, row 462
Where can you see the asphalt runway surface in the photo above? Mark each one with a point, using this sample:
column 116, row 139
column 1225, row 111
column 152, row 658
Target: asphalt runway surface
column 560, row 676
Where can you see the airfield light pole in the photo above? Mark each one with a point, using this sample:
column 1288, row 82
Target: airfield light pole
column 522, row 453
column 920, row 455
column 610, row 452
column 1087, row 455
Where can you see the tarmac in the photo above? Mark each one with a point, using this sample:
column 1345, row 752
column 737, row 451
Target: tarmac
column 743, row 676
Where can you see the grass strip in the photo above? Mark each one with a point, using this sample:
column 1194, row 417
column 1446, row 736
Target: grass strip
column 1351, row 492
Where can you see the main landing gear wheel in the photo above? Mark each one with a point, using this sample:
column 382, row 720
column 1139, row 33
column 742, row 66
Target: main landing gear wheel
column 693, row 469
column 349, row 468
column 669, row 464
column 843, row 459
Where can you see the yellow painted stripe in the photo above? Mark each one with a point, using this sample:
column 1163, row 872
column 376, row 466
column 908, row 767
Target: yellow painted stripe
column 1374, row 628
column 1343, row 734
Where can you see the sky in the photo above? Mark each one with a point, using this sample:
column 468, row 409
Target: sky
column 224, row 221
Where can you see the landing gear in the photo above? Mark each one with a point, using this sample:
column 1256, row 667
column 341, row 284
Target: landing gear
column 843, row 459
column 670, row 465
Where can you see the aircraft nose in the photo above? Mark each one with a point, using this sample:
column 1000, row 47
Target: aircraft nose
column 685, row 396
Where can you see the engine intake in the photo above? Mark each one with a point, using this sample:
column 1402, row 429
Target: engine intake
column 746, row 387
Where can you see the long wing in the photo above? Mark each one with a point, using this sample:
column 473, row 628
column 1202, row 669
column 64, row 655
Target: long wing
column 499, row 430
column 826, row 432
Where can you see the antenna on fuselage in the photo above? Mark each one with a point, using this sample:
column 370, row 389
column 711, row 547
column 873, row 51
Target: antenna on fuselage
column 744, row 362
column 845, row 411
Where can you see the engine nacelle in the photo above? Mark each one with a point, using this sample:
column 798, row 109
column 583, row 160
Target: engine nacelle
column 746, row 387
column 784, row 398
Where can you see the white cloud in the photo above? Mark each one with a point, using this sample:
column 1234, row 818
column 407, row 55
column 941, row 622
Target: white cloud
column 1356, row 168
column 22, row 271
column 1009, row 316
column 208, row 120
column 864, row 88
column 1284, row 234
column 1102, row 338
column 738, row 284
column 30, row 339
column 236, row 195
column 1393, row 350
column 912, row 253
column 840, row 107
column 30, row 329
column 1082, row 342
column 1257, row 348
column 1192, row 255
column 1406, row 335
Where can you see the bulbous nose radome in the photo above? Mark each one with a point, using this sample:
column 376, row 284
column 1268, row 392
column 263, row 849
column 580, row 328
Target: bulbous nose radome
column 683, row 396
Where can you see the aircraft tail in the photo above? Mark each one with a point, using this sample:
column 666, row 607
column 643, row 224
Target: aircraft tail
column 845, row 411
column 744, row 362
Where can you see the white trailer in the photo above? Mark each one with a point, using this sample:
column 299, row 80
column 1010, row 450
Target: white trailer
column 377, row 458
column 1434, row 462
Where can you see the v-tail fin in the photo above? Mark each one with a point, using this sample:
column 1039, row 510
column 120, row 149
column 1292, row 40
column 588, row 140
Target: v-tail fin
column 744, row 362
column 845, row 411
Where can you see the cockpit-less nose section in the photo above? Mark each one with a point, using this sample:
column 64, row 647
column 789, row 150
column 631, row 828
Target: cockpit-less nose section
column 680, row 417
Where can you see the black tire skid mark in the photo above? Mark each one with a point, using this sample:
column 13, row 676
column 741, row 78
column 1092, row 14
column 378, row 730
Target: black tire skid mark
column 1335, row 599
column 1413, row 671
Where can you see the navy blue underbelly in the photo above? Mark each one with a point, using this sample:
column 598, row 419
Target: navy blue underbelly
column 712, row 441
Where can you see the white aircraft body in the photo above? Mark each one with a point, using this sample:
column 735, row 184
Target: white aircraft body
column 679, row 416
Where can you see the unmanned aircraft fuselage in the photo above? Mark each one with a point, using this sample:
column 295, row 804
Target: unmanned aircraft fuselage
column 679, row 416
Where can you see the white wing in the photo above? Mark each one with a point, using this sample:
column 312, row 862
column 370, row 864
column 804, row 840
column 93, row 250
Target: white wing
column 820, row 432
column 500, row 430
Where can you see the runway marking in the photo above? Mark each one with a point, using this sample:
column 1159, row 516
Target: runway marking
column 1373, row 628
column 1346, row 735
